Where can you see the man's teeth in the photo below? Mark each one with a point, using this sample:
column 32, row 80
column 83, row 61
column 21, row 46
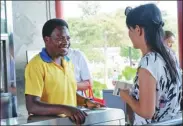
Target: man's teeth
column 64, row 47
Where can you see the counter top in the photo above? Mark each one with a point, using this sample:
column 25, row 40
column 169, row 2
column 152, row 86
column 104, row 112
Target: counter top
column 95, row 116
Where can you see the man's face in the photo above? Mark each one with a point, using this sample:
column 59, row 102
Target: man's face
column 59, row 41
column 169, row 41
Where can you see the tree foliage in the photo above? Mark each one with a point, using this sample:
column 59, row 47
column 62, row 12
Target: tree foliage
column 124, row 52
column 98, row 30
column 89, row 8
column 129, row 73
column 94, row 31
column 97, row 88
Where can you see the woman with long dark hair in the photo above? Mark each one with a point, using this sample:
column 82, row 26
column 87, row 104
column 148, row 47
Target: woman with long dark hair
column 156, row 94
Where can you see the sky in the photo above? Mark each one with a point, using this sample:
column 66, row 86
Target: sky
column 71, row 9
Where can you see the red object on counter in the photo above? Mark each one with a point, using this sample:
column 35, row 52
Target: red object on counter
column 91, row 96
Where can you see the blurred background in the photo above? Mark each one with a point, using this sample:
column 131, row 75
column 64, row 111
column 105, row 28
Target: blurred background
column 98, row 29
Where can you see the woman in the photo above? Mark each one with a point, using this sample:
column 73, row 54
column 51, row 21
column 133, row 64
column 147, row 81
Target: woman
column 156, row 94
column 169, row 38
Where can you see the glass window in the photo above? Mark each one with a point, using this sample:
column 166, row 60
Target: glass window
column 3, row 17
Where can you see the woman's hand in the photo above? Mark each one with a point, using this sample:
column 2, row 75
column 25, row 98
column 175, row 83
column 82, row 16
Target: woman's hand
column 124, row 93
column 145, row 105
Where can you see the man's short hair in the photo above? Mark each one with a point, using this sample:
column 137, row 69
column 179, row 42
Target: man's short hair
column 168, row 34
column 51, row 24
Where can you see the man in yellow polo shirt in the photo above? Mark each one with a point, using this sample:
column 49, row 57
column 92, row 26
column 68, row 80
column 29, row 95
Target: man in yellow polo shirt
column 50, row 85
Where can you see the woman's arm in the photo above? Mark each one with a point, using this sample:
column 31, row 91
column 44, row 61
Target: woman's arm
column 145, row 106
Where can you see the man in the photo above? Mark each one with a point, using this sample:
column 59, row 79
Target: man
column 50, row 86
column 81, row 70
column 169, row 38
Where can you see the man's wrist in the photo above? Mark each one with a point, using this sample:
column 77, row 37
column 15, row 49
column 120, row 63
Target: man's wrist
column 86, row 101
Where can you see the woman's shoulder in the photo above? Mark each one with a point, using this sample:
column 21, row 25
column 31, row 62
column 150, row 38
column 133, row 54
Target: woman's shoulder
column 153, row 63
column 152, row 58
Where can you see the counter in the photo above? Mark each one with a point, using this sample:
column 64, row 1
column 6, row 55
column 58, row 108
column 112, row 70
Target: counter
column 113, row 101
column 99, row 116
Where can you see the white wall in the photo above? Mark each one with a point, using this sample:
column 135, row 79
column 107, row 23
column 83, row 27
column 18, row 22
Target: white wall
column 28, row 20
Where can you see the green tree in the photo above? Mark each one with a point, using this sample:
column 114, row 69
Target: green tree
column 135, row 54
column 89, row 8
column 97, row 88
column 88, row 32
column 129, row 73
column 94, row 55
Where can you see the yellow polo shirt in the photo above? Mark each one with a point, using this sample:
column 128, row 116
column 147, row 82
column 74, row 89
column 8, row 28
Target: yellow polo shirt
column 51, row 82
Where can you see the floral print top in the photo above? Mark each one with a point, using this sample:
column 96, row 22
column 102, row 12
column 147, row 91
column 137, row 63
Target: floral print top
column 168, row 95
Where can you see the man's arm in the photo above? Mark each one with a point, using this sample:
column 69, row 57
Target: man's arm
column 34, row 86
column 80, row 100
column 37, row 107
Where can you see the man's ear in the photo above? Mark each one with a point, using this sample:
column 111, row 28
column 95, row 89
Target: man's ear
column 46, row 39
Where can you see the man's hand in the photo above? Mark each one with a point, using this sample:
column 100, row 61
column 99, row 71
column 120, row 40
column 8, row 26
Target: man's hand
column 76, row 115
column 91, row 104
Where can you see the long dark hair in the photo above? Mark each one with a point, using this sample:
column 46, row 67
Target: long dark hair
column 149, row 17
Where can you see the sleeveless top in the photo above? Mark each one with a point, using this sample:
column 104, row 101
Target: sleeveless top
column 168, row 95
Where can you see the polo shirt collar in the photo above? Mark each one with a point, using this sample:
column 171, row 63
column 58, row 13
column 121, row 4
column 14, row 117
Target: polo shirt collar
column 46, row 58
